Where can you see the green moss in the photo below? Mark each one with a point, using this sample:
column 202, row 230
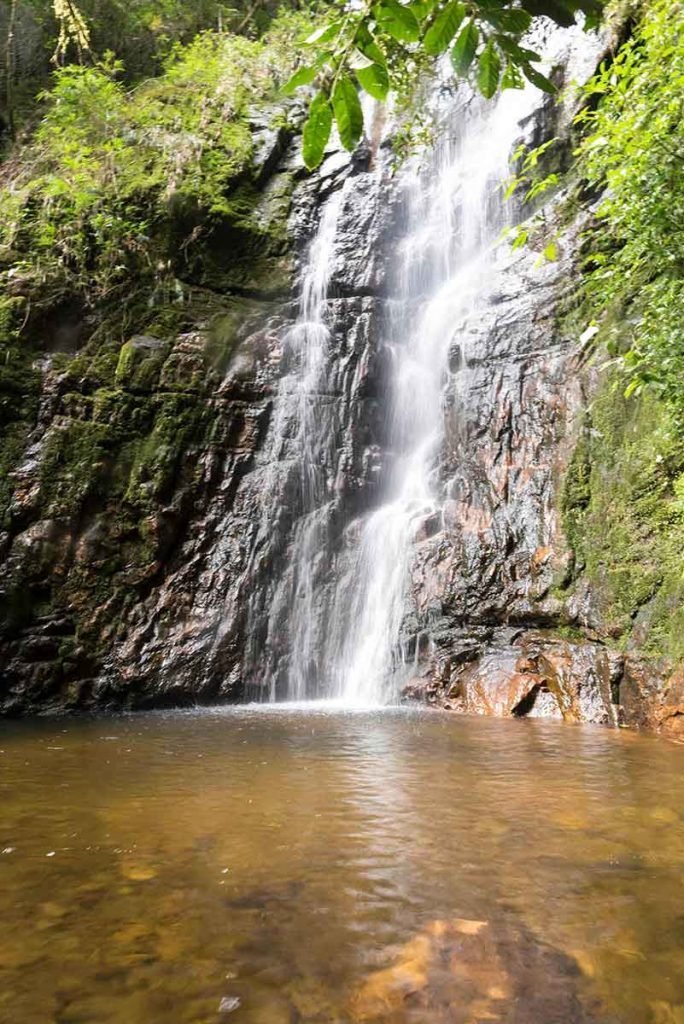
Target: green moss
column 576, row 495
column 20, row 384
column 225, row 329
column 125, row 363
column 624, row 517
column 73, row 466
column 178, row 423
column 142, row 211
column 12, row 446
column 571, row 633
column 120, row 185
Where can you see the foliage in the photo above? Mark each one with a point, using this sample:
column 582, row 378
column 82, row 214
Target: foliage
column 633, row 150
column 623, row 515
column 384, row 45
column 91, row 201
column 36, row 35
column 532, row 183
column 72, row 28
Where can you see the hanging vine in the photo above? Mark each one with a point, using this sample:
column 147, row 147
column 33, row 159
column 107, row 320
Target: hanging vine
column 73, row 28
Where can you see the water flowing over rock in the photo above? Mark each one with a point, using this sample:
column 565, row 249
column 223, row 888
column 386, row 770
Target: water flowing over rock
column 365, row 501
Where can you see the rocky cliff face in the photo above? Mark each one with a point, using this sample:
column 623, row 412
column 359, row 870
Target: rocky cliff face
column 153, row 492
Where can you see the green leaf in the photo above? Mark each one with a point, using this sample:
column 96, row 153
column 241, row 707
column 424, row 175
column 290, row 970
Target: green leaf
column 520, row 239
column 374, row 80
column 316, row 130
column 325, row 34
column 444, row 28
column 560, row 11
column 397, row 21
column 512, row 79
column 348, row 112
column 488, row 70
column 634, row 387
column 510, row 19
column 551, row 252
column 463, row 50
column 302, row 76
column 515, row 51
column 536, row 78
column 513, row 183
column 357, row 61
column 422, row 8
column 368, row 46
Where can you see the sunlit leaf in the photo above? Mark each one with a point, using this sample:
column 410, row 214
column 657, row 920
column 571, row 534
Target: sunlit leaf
column 368, row 45
column 512, row 78
column 444, row 28
column 510, row 19
column 463, row 50
column 538, row 79
column 316, row 130
column 325, row 33
column 302, row 76
column 488, row 70
column 348, row 112
column 374, row 80
column 398, row 21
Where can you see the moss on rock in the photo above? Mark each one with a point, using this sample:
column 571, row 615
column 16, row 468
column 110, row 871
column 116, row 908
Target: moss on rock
column 624, row 518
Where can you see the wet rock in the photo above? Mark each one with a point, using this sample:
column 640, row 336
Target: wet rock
column 652, row 696
column 528, row 673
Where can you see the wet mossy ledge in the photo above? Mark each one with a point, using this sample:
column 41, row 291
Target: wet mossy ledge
column 105, row 461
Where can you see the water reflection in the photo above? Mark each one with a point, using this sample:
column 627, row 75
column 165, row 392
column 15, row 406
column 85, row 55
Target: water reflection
column 318, row 867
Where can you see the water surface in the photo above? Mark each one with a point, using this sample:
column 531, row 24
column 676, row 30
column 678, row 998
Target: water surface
column 332, row 867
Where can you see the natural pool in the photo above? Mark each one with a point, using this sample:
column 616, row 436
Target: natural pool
column 270, row 866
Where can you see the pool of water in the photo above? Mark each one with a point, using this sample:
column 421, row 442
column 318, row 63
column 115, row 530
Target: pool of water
column 273, row 866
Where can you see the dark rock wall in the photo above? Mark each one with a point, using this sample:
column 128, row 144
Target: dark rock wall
column 151, row 506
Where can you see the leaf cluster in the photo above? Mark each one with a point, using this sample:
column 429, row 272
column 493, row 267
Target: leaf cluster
column 381, row 46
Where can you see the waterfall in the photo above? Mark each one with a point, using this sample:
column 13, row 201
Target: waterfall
column 339, row 614
column 444, row 268
column 297, row 479
column 309, row 340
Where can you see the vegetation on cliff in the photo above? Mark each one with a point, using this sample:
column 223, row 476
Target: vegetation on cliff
column 137, row 209
column 634, row 152
column 132, row 210
column 115, row 181
column 624, row 496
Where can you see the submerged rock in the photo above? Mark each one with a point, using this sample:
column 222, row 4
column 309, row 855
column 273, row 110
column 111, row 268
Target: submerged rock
column 460, row 972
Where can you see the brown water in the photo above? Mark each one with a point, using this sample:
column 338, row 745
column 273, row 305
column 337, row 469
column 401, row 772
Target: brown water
column 334, row 867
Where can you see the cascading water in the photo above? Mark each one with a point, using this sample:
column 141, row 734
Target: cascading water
column 309, row 338
column 445, row 268
column 301, row 438
column 345, row 623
